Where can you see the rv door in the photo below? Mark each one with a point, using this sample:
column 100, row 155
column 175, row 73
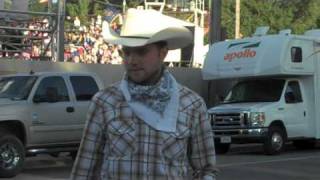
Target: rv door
column 294, row 110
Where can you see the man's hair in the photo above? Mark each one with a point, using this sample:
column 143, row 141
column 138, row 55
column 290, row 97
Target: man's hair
column 161, row 44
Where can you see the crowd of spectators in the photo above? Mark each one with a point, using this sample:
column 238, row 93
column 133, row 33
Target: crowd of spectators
column 83, row 43
column 25, row 40
column 86, row 45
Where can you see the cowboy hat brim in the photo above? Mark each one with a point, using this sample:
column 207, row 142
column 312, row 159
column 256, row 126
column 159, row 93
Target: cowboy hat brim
column 176, row 37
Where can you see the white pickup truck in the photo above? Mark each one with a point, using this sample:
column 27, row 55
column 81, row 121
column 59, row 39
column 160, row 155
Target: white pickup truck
column 42, row 112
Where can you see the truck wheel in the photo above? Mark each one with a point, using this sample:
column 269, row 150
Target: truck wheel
column 222, row 148
column 275, row 140
column 304, row 144
column 12, row 155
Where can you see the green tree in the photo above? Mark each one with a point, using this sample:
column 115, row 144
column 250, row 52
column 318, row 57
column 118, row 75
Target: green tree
column 79, row 8
column 306, row 15
column 98, row 7
column 130, row 3
column 264, row 13
column 36, row 6
column 298, row 15
column 7, row 4
column 134, row 3
column 117, row 2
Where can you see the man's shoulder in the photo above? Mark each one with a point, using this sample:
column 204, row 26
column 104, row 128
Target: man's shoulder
column 111, row 94
column 189, row 97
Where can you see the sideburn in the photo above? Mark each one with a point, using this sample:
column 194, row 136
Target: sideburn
column 163, row 53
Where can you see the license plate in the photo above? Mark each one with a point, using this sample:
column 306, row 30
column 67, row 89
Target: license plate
column 225, row 139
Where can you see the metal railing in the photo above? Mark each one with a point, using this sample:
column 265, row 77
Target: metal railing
column 18, row 36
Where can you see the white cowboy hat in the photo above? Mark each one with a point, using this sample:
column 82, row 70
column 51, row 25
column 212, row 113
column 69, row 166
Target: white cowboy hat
column 142, row 27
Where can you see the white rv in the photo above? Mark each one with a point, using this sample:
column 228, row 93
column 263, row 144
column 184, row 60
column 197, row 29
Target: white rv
column 277, row 94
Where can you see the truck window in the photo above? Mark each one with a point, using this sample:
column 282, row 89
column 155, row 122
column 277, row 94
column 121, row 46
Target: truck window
column 16, row 87
column 293, row 93
column 262, row 90
column 52, row 89
column 84, row 87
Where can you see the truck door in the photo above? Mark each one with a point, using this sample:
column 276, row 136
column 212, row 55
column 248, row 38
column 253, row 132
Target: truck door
column 51, row 112
column 84, row 87
column 295, row 110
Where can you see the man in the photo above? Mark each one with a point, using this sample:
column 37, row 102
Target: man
column 147, row 126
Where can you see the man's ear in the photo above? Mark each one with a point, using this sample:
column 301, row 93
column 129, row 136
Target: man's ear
column 163, row 53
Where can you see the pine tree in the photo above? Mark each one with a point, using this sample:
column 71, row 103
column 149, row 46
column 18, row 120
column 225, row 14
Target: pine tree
column 297, row 15
column 80, row 9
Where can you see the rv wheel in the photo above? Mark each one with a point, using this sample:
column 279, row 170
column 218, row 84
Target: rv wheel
column 275, row 140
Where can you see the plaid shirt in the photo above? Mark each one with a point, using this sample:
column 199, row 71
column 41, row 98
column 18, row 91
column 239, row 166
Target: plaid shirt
column 118, row 145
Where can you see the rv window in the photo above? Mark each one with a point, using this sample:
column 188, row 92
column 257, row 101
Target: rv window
column 256, row 90
column 293, row 93
column 296, row 54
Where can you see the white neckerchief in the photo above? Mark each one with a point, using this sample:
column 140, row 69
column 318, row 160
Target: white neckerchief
column 163, row 122
column 154, row 96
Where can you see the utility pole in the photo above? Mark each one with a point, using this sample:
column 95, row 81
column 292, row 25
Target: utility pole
column 237, row 23
column 215, row 21
column 49, row 6
column 124, row 6
column 50, row 21
column 60, row 33
column 214, row 36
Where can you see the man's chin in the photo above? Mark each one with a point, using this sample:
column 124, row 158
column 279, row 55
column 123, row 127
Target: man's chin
column 136, row 79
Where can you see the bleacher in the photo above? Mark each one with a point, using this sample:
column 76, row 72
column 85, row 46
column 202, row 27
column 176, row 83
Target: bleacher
column 18, row 36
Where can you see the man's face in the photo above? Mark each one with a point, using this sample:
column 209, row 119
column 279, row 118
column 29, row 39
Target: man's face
column 144, row 63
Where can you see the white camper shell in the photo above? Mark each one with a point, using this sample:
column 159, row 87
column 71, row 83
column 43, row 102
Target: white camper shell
column 277, row 96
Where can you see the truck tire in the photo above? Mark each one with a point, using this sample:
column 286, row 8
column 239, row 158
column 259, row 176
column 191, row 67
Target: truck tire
column 222, row 148
column 275, row 140
column 304, row 144
column 12, row 154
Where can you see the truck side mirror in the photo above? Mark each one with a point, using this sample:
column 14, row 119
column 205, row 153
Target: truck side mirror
column 221, row 98
column 36, row 99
